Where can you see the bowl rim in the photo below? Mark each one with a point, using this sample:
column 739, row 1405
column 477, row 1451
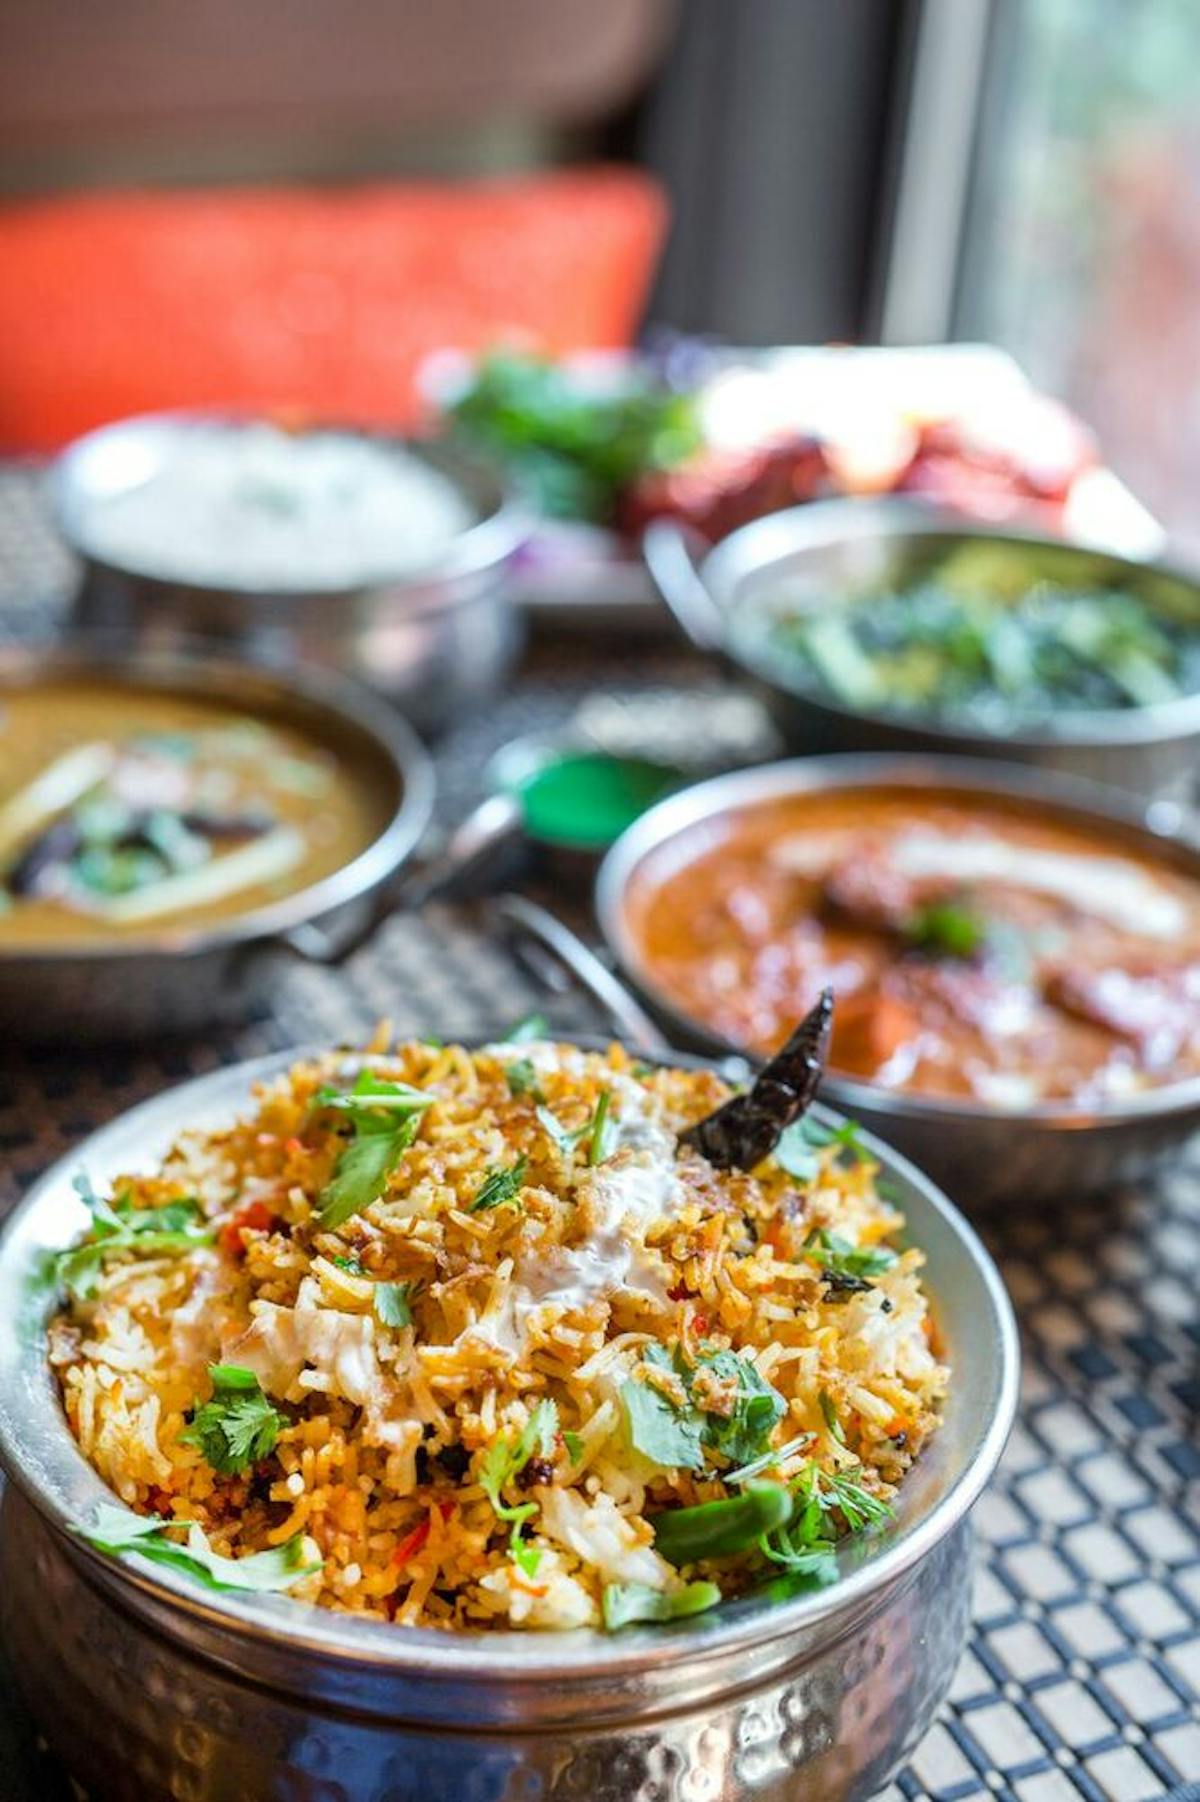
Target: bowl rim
column 210, row 670
column 493, row 535
column 749, row 552
column 1158, row 823
column 44, row 1461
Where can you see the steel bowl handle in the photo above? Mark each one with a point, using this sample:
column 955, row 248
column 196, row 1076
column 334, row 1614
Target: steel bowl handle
column 491, row 828
column 523, row 921
column 672, row 553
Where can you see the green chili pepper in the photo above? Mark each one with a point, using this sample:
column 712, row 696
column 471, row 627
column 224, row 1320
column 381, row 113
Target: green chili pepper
column 715, row 1529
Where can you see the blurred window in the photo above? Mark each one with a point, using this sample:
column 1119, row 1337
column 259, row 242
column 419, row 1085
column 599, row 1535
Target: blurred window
column 1081, row 249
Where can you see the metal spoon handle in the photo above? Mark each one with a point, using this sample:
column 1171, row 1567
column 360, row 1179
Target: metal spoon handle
column 521, row 918
column 487, row 830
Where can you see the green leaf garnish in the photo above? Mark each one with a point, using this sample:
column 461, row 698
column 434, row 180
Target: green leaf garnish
column 499, row 1186
column 625, row 1603
column 666, row 1433
column 830, row 1417
column 385, row 1117
column 574, row 1446
column 673, row 1435
column 523, row 1079
column 561, row 1137
column 171, row 1230
column 946, row 929
column 533, row 1026
column 393, row 1302
column 117, row 1530
column 506, row 1459
column 603, row 1136
column 238, row 1427
column 839, row 1258
column 828, row 1505
column 351, row 1265
column 798, row 1145
column 719, row 1529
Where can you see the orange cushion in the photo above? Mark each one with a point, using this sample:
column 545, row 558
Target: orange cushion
column 316, row 300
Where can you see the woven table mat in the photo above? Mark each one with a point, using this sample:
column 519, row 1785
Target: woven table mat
column 1083, row 1674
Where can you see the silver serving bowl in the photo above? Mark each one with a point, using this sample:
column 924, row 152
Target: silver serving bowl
column 980, row 1154
column 177, row 979
column 436, row 641
column 150, row 1688
column 832, row 549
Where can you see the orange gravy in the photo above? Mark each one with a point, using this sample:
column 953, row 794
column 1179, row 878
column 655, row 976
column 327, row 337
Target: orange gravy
column 977, row 948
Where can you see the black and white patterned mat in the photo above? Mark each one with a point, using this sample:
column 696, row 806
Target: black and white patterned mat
column 1083, row 1676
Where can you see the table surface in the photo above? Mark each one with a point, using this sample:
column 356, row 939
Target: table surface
column 1083, row 1674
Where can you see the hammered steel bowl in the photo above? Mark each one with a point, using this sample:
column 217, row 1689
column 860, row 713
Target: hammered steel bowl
column 436, row 641
column 179, row 979
column 981, row 1154
column 831, row 549
column 148, row 1688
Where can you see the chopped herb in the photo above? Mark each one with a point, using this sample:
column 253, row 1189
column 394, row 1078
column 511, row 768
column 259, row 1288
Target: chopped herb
column 170, row 1230
column 662, row 1431
column 769, row 1460
column 798, row 1145
column 385, row 1117
column 946, row 929
column 393, row 1302
column 351, row 1265
column 828, row 1506
column 506, row 1459
column 533, row 1026
column 498, row 1187
column 625, row 1603
column 574, row 1446
column 746, row 1429
column 674, row 1435
column 603, row 1137
column 523, row 1079
column 563, row 1140
column 840, row 1259
column 829, row 1415
column 239, row 1426
column 718, row 1529
column 117, row 1530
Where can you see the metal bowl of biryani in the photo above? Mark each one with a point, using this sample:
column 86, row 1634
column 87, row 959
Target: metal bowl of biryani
column 528, row 1443
column 1016, row 957
column 891, row 625
column 383, row 558
column 171, row 825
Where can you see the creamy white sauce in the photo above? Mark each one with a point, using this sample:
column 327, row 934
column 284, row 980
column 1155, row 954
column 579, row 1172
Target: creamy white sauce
column 1107, row 888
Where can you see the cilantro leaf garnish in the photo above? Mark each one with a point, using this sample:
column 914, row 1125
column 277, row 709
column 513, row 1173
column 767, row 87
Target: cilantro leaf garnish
column 946, row 929
column 828, row 1506
column 117, row 1530
column 238, row 1427
column 170, row 1230
column 352, row 1266
column 625, row 1603
column 674, row 1434
column 560, row 1136
column 393, row 1302
column 664, row 1431
column 506, row 1459
column 499, row 1186
column 798, row 1145
column 533, row 1026
column 522, row 1079
column 839, row 1258
column 384, row 1117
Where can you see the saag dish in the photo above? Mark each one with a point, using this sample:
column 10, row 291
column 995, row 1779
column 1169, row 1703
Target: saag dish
column 973, row 640
column 132, row 811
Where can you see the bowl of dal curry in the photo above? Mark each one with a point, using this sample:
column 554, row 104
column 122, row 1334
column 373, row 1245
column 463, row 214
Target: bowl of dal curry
column 167, row 820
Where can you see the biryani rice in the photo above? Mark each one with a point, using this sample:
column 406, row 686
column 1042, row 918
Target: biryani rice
column 614, row 1241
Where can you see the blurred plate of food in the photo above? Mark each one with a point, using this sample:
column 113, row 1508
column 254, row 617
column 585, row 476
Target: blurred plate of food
column 714, row 437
